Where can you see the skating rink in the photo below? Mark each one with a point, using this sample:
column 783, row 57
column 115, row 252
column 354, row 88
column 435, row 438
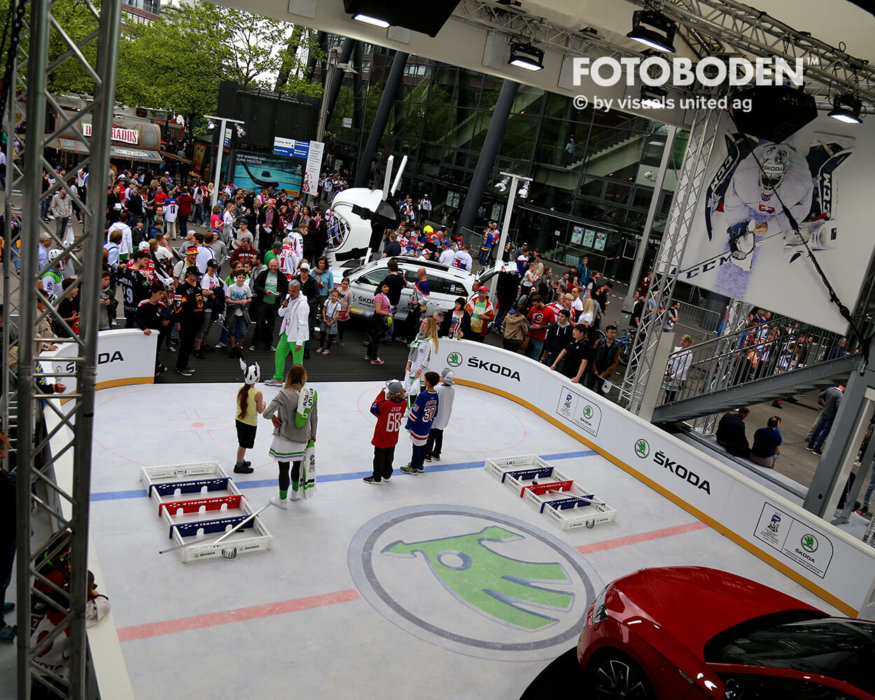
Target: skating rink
column 445, row 585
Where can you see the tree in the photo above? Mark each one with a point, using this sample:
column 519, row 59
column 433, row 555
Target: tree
column 178, row 62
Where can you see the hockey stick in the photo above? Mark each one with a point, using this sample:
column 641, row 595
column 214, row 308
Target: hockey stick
column 230, row 532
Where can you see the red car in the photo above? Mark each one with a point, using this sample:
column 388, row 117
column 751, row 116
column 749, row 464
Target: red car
column 689, row 633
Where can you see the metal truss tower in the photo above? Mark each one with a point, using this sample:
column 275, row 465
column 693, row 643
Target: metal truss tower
column 50, row 48
column 690, row 188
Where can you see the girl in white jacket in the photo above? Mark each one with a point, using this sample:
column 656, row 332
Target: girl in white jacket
column 423, row 348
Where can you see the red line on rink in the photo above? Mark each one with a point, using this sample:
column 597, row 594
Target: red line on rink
column 156, row 629
column 641, row 537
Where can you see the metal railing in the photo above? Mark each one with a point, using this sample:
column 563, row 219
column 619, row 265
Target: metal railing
column 760, row 350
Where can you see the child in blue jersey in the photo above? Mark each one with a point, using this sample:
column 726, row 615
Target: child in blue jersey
column 419, row 422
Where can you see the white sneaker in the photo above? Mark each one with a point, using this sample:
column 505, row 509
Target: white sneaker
column 279, row 503
column 273, row 382
column 294, row 495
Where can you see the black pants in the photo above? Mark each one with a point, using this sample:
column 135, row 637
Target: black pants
column 183, row 225
column 375, row 331
column 284, row 474
column 512, row 345
column 265, row 322
column 383, row 457
column 188, row 329
column 7, row 557
column 434, row 443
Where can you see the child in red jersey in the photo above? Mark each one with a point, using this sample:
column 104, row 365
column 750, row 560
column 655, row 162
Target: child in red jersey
column 389, row 407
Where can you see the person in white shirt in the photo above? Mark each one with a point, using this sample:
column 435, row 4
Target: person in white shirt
column 126, row 247
column 294, row 332
column 676, row 370
column 448, row 257
column 463, row 258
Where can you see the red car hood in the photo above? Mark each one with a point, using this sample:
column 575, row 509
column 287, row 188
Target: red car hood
column 694, row 603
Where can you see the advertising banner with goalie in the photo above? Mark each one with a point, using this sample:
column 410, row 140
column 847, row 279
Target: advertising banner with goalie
column 765, row 201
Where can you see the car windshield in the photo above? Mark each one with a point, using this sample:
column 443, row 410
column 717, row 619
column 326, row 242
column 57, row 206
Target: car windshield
column 834, row 647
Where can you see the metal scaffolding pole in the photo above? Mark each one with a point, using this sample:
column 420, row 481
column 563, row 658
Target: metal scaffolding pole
column 690, row 187
column 48, row 432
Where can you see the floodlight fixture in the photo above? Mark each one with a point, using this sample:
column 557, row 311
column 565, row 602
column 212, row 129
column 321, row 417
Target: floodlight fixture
column 653, row 29
column 501, row 186
column 368, row 19
column 211, row 125
column 525, row 55
column 523, row 191
column 847, row 108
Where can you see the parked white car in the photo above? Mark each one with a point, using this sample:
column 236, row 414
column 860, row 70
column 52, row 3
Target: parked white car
column 446, row 283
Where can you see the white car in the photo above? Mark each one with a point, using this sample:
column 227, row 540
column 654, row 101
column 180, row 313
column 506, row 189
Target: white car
column 447, row 284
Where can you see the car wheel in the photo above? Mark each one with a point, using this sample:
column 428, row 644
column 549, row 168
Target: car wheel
column 617, row 676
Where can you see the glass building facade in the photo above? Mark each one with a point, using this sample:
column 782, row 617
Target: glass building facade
column 592, row 172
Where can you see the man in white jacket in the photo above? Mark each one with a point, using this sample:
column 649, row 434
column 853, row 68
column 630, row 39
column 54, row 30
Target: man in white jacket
column 294, row 332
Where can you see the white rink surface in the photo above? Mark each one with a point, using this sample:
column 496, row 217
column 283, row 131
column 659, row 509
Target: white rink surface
column 324, row 638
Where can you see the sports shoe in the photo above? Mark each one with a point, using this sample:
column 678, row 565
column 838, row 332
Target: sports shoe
column 428, row 458
column 7, row 634
column 247, row 463
column 273, row 348
column 817, row 452
column 809, row 448
column 370, row 480
column 219, row 346
column 294, row 495
column 252, row 348
column 378, row 361
column 340, row 344
column 198, row 354
column 273, row 382
column 366, row 357
column 436, row 458
column 420, row 471
column 407, row 469
column 241, row 468
column 187, row 372
column 318, row 351
column 279, row 503
column 326, row 352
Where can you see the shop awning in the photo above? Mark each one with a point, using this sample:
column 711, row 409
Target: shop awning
column 121, row 152
column 173, row 156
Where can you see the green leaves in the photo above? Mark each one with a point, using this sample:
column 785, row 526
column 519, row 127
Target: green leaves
column 178, row 62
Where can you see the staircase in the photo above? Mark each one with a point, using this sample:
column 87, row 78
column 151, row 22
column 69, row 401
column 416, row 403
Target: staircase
column 764, row 362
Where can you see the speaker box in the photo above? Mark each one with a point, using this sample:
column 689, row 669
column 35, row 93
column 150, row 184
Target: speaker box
column 427, row 18
column 776, row 112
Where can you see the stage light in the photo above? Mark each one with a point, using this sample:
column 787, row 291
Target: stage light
column 847, row 108
column 367, row 19
column 526, row 56
column 653, row 29
column 523, row 191
column 653, row 97
column 502, row 185
column 210, row 126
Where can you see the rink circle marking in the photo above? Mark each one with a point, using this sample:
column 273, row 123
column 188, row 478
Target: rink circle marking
column 384, row 588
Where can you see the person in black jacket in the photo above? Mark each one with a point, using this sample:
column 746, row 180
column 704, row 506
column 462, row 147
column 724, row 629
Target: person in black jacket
column 730, row 432
column 268, row 290
column 7, row 540
column 153, row 315
column 558, row 337
column 456, row 323
column 188, row 310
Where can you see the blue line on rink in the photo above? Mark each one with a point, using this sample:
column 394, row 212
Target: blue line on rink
column 326, row 478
